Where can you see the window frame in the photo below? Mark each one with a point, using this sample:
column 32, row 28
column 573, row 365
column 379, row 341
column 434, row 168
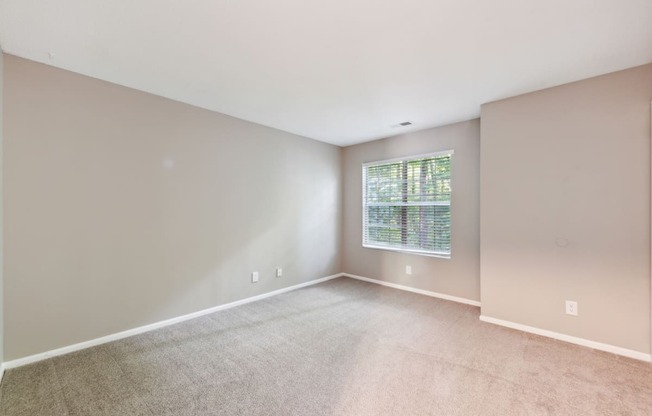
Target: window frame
column 427, row 253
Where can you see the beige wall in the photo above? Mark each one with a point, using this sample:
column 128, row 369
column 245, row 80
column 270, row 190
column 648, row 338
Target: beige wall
column 1, row 233
column 566, row 208
column 457, row 276
column 124, row 208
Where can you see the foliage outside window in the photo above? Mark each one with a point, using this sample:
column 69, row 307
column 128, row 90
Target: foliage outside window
column 407, row 204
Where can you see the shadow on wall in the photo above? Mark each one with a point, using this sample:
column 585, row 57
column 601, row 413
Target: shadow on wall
column 210, row 238
column 458, row 276
column 124, row 208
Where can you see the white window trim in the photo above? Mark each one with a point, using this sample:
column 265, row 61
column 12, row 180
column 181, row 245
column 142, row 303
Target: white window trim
column 408, row 158
column 447, row 256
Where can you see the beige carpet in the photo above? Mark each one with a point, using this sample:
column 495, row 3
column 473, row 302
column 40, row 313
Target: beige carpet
column 343, row 347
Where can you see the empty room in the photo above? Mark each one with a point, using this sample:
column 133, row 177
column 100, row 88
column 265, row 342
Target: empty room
column 325, row 208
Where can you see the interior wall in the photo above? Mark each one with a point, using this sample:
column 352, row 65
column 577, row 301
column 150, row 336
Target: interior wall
column 1, row 215
column 124, row 208
column 565, row 196
column 458, row 276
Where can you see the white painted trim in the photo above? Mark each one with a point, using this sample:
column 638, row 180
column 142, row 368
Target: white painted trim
column 146, row 328
column 2, row 366
column 408, row 251
column 410, row 158
column 567, row 338
column 404, row 250
column 415, row 290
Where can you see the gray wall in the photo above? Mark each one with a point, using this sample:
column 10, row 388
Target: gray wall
column 1, row 233
column 566, row 208
column 457, row 276
column 124, row 208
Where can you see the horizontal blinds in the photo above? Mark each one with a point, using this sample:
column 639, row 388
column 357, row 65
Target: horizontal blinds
column 406, row 204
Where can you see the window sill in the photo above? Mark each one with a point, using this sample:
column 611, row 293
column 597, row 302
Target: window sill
column 404, row 251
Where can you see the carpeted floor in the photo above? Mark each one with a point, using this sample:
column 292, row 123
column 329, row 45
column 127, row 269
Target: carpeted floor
column 343, row 347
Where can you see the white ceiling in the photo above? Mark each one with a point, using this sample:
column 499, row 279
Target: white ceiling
column 339, row 71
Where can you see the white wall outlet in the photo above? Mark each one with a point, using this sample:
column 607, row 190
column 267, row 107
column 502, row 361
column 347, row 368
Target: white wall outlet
column 279, row 272
column 571, row 307
column 254, row 277
column 408, row 269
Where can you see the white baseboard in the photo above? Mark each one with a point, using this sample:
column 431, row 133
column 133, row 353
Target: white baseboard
column 414, row 290
column 2, row 371
column 142, row 329
column 573, row 340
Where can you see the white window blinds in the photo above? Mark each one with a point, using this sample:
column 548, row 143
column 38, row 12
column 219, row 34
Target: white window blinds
column 406, row 204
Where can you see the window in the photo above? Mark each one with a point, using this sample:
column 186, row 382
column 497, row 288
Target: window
column 406, row 204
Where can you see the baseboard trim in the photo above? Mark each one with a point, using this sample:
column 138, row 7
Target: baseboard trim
column 161, row 324
column 2, row 371
column 568, row 338
column 415, row 290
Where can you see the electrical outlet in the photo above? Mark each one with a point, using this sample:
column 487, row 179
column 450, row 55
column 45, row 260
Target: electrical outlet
column 571, row 307
column 279, row 272
column 254, row 277
column 408, row 269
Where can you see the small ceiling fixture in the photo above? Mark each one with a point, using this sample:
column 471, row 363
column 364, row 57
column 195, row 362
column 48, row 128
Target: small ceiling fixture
column 403, row 124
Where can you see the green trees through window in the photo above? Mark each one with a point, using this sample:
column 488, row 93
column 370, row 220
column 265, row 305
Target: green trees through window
column 406, row 204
